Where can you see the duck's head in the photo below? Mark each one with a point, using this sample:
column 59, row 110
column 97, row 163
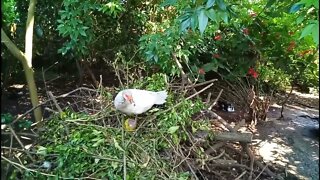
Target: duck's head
column 127, row 96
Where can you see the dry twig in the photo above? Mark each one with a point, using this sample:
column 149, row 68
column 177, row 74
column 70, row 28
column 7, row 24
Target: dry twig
column 19, row 141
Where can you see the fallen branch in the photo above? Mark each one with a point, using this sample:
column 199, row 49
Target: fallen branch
column 21, row 134
column 242, row 174
column 32, row 170
column 216, row 100
column 55, row 101
column 25, row 151
column 220, row 144
column 267, row 170
column 252, row 159
column 195, row 85
column 19, row 141
column 261, row 172
column 234, row 136
column 208, row 98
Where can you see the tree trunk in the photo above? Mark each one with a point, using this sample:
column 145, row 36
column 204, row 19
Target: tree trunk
column 26, row 59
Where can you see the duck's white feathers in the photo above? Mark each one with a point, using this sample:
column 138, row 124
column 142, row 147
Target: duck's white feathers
column 143, row 100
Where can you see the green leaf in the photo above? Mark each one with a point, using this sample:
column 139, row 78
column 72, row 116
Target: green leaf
column 300, row 19
column 296, row 7
column 42, row 150
column 222, row 5
column 210, row 3
column 116, row 144
column 270, row 3
column 156, row 58
column 211, row 14
column 315, row 35
column 309, row 3
column 173, row 129
column 168, row 3
column 203, row 21
column 224, row 16
column 100, row 141
column 307, row 30
column 185, row 24
column 194, row 21
column 83, row 33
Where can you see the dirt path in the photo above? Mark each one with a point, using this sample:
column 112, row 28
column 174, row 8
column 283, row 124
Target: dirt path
column 292, row 142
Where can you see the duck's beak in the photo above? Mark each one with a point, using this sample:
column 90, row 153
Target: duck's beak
column 129, row 98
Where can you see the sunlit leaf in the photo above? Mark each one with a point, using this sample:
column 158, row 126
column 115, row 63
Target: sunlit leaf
column 300, row 19
column 116, row 144
column 296, row 7
column 194, row 21
column 185, row 24
column 203, row 21
column 173, row 129
column 222, row 5
column 224, row 16
column 211, row 14
column 307, row 30
column 210, row 3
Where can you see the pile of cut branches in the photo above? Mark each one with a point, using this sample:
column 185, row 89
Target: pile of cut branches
column 84, row 138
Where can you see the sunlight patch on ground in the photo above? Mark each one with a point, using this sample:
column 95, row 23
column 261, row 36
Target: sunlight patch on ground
column 272, row 150
column 17, row 86
column 304, row 95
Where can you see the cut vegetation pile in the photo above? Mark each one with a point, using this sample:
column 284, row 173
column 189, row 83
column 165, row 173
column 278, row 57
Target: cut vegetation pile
column 84, row 138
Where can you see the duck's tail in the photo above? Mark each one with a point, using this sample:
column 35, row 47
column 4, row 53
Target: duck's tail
column 161, row 97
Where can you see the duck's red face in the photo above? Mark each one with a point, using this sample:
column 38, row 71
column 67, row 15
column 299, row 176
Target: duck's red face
column 128, row 98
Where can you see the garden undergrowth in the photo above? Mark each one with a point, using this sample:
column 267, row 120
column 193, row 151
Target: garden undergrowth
column 83, row 145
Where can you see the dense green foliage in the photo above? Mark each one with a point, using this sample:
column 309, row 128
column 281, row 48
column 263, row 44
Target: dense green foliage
column 277, row 39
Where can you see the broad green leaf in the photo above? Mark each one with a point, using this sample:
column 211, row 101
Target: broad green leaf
column 211, row 14
column 221, row 5
column 300, row 19
column 307, row 30
column 173, row 129
column 83, row 33
column 156, row 58
column 203, row 21
column 194, row 21
column 210, row 3
column 296, row 7
column 185, row 24
column 224, row 16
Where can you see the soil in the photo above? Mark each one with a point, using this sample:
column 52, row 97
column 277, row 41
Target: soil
column 291, row 143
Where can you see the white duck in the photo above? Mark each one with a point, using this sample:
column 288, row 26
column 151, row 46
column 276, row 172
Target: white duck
column 136, row 101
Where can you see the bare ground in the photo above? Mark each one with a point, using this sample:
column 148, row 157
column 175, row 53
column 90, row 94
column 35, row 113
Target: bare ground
column 292, row 142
